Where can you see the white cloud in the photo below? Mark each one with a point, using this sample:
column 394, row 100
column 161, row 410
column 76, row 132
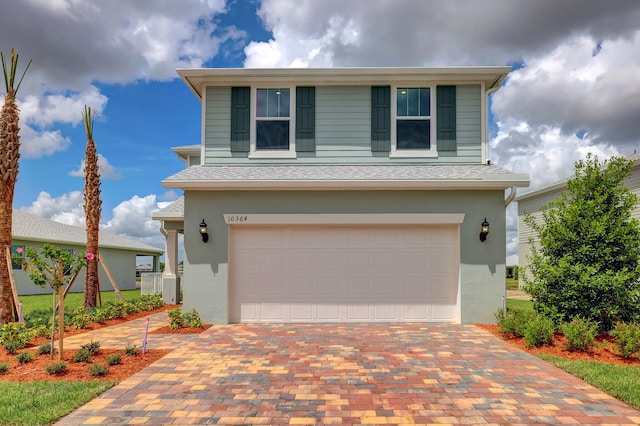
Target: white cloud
column 107, row 171
column 130, row 218
column 67, row 208
column 42, row 143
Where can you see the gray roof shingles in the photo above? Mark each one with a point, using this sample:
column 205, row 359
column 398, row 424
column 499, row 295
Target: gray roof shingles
column 27, row 226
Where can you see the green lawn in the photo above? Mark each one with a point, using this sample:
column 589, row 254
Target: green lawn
column 72, row 301
column 525, row 305
column 41, row 403
column 512, row 283
column 620, row 381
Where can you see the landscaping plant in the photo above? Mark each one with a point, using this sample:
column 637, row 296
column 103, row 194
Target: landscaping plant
column 14, row 336
column 48, row 268
column 24, row 357
column 580, row 334
column 627, row 337
column 98, row 370
column 56, row 368
column 4, row 367
column 513, row 321
column 538, row 331
column 176, row 320
column 585, row 261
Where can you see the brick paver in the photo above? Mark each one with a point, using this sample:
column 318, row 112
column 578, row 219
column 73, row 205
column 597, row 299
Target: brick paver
column 344, row 374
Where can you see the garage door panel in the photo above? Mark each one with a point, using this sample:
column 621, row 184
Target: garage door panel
column 342, row 274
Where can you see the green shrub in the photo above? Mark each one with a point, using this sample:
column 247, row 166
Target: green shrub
column 38, row 317
column 192, row 318
column 56, row 368
column 131, row 350
column 98, row 370
column 538, row 331
column 513, row 321
column 99, row 314
column 4, row 367
column 24, row 357
column 153, row 301
column 627, row 337
column 91, row 347
column 39, row 331
column 81, row 355
column 45, row 349
column 176, row 320
column 14, row 336
column 580, row 334
column 114, row 359
column 80, row 319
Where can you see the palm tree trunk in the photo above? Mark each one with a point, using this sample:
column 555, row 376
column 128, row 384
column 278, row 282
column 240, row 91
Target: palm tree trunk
column 9, row 155
column 92, row 209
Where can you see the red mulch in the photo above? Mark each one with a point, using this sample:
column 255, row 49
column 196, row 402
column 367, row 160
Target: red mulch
column 605, row 350
column 183, row 330
column 35, row 370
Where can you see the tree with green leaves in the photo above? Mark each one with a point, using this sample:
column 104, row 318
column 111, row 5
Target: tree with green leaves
column 586, row 261
column 55, row 267
column 9, row 156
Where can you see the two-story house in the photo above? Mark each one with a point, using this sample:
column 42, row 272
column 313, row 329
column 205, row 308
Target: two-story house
column 343, row 194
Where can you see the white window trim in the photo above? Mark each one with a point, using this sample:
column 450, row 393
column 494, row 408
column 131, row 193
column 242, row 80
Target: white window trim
column 414, row 153
column 273, row 153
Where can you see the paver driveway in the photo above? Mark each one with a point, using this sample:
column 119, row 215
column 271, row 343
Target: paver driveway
column 349, row 374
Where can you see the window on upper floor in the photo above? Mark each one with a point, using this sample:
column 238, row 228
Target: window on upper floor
column 413, row 132
column 273, row 119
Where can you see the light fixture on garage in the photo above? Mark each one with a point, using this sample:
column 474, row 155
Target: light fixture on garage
column 484, row 230
column 203, row 231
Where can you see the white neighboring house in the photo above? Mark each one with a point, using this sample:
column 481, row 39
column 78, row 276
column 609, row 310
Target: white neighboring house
column 532, row 202
column 119, row 253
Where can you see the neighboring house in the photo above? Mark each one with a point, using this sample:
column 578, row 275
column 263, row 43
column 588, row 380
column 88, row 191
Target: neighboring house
column 532, row 202
column 341, row 195
column 119, row 253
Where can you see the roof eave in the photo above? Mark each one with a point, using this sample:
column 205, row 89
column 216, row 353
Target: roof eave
column 493, row 182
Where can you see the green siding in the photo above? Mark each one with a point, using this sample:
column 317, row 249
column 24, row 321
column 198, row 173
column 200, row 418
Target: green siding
column 343, row 128
column 217, row 120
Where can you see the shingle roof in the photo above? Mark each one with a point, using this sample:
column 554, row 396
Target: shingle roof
column 399, row 176
column 174, row 210
column 27, row 226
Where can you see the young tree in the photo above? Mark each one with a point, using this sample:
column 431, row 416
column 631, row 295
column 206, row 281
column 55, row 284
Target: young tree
column 53, row 266
column 586, row 261
column 9, row 156
column 92, row 211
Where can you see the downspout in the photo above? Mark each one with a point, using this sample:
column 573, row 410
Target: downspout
column 162, row 231
column 511, row 196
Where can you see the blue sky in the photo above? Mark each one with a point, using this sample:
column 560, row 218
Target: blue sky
column 574, row 88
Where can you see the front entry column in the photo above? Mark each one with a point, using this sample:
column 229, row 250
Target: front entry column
column 170, row 278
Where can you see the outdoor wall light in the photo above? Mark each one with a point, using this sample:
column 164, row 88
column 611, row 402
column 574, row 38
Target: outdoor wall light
column 484, row 230
column 203, row 231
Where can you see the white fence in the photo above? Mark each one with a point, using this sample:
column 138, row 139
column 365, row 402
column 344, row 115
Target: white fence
column 151, row 282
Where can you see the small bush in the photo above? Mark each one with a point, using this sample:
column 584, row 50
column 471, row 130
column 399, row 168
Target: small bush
column 80, row 319
column 513, row 321
column 98, row 370
column 99, row 314
column 39, row 331
column 81, row 355
column 45, row 349
column 14, row 336
column 152, row 301
column 580, row 334
column 4, row 367
column 176, row 320
column 38, row 317
column 192, row 318
column 538, row 331
column 627, row 337
column 131, row 350
column 56, row 368
column 91, row 347
column 114, row 359
column 24, row 357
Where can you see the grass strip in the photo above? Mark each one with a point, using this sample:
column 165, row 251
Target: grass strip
column 620, row 381
column 72, row 301
column 40, row 403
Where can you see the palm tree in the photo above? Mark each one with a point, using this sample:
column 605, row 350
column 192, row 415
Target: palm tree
column 9, row 156
column 92, row 211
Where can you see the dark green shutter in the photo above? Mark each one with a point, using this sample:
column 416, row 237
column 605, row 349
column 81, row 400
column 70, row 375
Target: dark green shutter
column 380, row 118
column 446, row 117
column 240, row 118
column 305, row 119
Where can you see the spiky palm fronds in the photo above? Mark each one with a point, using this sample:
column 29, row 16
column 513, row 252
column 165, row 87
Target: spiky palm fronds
column 92, row 210
column 9, row 156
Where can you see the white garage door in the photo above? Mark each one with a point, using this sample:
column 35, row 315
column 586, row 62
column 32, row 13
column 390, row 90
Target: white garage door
column 344, row 273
